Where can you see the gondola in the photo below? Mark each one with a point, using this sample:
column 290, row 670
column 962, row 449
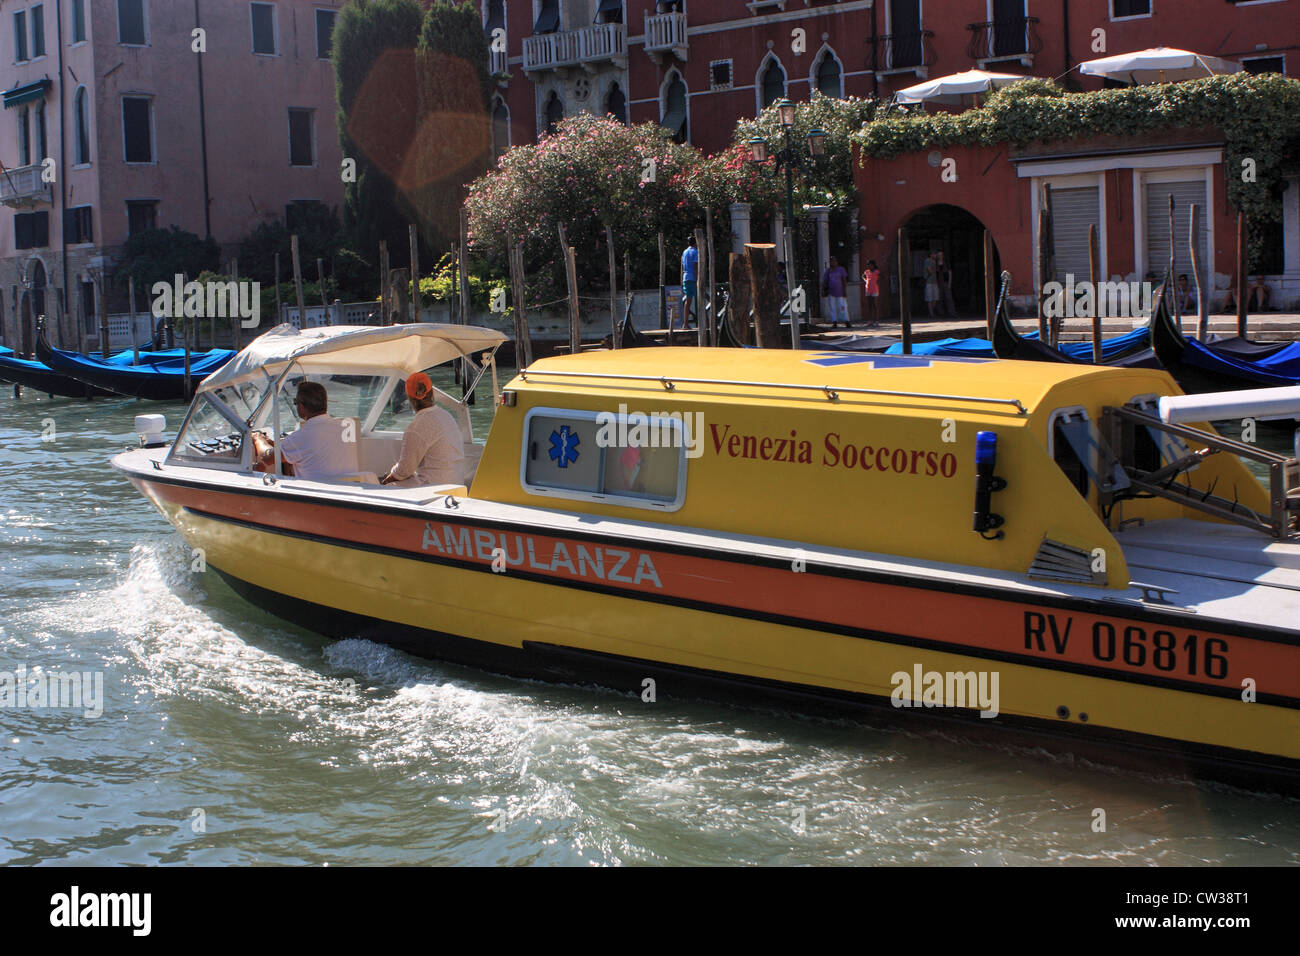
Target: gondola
column 39, row 377
column 1225, row 364
column 1120, row 351
column 159, row 376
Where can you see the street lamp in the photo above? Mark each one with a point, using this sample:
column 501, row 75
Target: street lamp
column 789, row 159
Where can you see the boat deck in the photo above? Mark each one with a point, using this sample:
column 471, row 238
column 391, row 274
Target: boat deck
column 1237, row 573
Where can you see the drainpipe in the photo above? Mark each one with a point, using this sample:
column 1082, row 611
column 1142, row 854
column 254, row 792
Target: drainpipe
column 63, row 171
column 203, row 138
column 875, row 55
column 1065, row 30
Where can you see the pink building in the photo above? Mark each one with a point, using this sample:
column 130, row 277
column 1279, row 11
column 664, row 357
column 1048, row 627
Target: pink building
column 124, row 115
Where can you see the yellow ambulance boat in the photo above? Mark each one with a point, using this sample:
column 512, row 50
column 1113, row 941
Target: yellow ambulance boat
column 1033, row 547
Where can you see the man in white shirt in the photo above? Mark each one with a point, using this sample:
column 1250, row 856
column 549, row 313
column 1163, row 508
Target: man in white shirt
column 432, row 453
column 317, row 448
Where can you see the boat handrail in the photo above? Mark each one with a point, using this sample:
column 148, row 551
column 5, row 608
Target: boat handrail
column 832, row 393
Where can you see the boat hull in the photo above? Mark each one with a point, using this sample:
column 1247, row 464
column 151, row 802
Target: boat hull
column 580, row 607
column 41, row 378
column 1215, row 366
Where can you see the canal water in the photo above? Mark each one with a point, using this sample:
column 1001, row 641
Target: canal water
column 228, row 736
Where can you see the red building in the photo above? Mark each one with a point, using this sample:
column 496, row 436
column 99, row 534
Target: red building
column 699, row 65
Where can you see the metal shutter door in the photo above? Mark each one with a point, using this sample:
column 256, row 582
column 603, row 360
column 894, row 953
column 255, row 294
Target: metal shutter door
column 1073, row 211
column 1157, row 225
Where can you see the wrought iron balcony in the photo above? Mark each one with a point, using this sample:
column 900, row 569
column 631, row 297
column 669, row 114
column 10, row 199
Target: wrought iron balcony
column 1006, row 38
column 586, row 48
column 896, row 52
column 23, row 187
column 666, row 33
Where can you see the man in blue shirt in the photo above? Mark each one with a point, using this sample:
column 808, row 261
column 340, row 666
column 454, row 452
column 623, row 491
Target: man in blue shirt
column 690, row 264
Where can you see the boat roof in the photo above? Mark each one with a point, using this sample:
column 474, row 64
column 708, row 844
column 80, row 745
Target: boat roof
column 731, row 374
column 360, row 349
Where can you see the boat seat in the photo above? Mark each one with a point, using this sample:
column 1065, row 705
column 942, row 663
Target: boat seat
column 473, row 452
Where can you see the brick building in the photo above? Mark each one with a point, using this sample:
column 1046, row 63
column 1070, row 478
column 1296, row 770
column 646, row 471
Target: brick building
column 134, row 128
column 699, row 65
column 696, row 66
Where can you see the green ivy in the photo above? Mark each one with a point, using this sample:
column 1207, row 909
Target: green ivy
column 1259, row 116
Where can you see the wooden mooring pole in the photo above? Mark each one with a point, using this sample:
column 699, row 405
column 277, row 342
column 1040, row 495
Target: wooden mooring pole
column 297, row 277
column 1193, row 246
column 414, row 238
column 1242, row 292
column 1094, row 269
column 990, row 284
column 904, row 283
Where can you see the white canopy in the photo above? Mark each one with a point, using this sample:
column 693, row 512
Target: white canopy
column 1161, row 64
column 358, row 349
column 954, row 88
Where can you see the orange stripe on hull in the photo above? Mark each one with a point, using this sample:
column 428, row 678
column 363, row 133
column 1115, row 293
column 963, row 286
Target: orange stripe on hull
column 1063, row 636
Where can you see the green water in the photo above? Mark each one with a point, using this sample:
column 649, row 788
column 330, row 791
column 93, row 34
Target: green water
column 228, row 736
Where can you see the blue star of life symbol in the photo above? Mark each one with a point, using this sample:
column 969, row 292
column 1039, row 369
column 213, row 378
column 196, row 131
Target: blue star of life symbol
column 564, row 446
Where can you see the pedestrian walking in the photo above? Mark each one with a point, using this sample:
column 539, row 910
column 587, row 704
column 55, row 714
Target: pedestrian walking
column 690, row 265
column 833, row 282
column 871, row 294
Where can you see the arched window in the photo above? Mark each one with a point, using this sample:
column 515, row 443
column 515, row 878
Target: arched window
column 81, row 132
column 554, row 111
column 500, row 127
column 830, row 78
column 675, row 110
column 616, row 104
column 772, row 84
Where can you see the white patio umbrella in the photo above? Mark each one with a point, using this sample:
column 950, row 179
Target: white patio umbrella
column 954, row 89
column 1161, row 64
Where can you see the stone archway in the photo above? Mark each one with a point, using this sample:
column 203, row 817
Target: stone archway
column 960, row 236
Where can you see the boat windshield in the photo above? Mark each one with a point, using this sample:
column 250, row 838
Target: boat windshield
column 349, row 396
column 209, row 437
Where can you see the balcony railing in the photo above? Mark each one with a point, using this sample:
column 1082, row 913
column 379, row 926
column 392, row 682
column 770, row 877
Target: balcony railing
column 902, row 51
column 23, row 186
column 585, row 47
column 1007, row 38
column 498, row 62
column 666, row 33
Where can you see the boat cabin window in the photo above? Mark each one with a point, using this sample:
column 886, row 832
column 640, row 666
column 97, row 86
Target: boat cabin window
column 638, row 462
column 1079, row 451
column 208, row 436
